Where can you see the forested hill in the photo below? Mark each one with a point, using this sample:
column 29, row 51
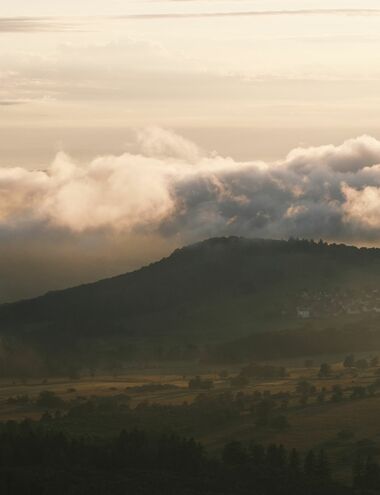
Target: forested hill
column 226, row 286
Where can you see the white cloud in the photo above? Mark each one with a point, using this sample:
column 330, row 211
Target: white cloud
column 169, row 186
column 362, row 207
column 161, row 143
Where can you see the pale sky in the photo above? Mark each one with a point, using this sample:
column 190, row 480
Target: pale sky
column 90, row 65
column 172, row 121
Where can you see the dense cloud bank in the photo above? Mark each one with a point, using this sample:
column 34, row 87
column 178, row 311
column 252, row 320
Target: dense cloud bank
column 167, row 185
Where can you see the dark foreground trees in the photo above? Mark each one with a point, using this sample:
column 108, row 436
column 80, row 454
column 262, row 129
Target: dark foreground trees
column 367, row 475
column 36, row 461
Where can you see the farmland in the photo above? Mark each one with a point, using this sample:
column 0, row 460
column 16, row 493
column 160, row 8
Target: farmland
column 302, row 409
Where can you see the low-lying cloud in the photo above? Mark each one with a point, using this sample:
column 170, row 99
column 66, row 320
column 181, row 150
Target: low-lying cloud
column 169, row 187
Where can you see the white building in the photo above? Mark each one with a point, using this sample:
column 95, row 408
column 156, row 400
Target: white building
column 303, row 313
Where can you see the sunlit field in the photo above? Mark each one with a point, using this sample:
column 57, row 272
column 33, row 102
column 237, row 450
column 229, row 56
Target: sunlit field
column 344, row 422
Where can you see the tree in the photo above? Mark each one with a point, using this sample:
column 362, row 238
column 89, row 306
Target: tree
column 276, row 456
column 362, row 364
column 371, row 389
column 49, row 400
column 257, row 454
column 305, row 388
column 374, row 362
column 199, row 383
column 322, row 465
column 325, row 370
column 358, row 392
column 358, row 471
column 371, row 475
column 310, row 463
column 234, row 454
column 264, row 411
column 280, row 422
column 73, row 373
column 294, row 461
column 223, row 374
column 349, row 361
column 337, row 394
column 239, row 381
column 321, row 397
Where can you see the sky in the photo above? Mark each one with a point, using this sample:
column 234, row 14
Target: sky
column 129, row 128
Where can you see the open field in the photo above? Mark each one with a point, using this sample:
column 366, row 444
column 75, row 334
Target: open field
column 344, row 427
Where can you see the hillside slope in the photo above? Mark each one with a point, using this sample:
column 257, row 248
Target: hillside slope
column 221, row 300
column 232, row 285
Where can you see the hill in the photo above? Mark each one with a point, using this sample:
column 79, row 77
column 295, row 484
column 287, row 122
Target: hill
column 216, row 290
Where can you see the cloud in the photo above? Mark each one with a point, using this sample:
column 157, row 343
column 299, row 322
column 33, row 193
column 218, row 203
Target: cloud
column 254, row 13
column 33, row 24
column 168, row 187
column 161, row 143
column 362, row 207
column 111, row 192
column 10, row 103
column 122, row 71
column 27, row 24
column 110, row 71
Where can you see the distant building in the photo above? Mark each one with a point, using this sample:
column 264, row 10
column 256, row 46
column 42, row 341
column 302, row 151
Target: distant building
column 303, row 313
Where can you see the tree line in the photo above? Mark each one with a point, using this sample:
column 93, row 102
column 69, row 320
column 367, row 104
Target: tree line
column 34, row 460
